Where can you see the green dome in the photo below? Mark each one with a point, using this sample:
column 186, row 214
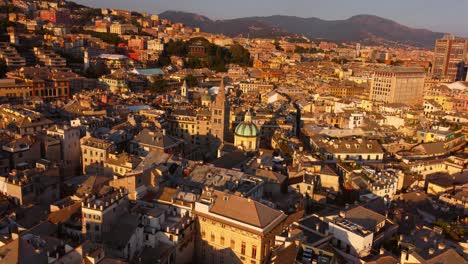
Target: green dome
column 246, row 129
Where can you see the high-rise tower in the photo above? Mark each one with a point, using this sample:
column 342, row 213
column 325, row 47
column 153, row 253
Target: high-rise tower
column 449, row 55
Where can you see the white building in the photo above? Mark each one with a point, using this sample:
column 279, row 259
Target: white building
column 351, row 238
column 155, row 44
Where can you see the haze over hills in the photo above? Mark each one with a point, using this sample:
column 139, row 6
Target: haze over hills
column 363, row 28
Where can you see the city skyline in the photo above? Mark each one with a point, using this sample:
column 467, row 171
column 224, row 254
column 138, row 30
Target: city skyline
column 411, row 15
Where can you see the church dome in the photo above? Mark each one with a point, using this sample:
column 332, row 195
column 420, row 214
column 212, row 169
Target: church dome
column 246, row 129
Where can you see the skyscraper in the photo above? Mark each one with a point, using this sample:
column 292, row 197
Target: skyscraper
column 449, row 55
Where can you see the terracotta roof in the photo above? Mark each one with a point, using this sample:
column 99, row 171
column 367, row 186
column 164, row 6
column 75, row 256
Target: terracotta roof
column 64, row 214
column 327, row 170
column 274, row 176
column 92, row 185
column 364, row 217
column 286, row 254
column 385, row 260
column 448, row 257
column 244, row 210
column 20, row 251
column 156, row 139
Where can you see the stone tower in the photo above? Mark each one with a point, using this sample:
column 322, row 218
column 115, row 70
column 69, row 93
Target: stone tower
column 86, row 59
column 219, row 114
column 183, row 89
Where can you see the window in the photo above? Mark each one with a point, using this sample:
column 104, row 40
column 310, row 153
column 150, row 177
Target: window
column 254, row 251
column 212, row 237
column 222, row 240
column 243, row 248
column 233, row 244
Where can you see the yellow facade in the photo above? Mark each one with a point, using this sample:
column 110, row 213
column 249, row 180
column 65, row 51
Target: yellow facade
column 219, row 242
column 442, row 100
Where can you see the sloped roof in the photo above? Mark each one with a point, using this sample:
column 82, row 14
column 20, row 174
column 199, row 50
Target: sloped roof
column 64, row 214
column 327, row 170
column 448, row 257
column 364, row 217
column 19, row 251
column 156, row 139
column 244, row 210
column 274, row 176
column 92, row 185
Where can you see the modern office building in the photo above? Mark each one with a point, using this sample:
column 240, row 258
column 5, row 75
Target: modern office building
column 398, row 85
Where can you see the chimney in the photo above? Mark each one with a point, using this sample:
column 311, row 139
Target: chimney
column 431, row 251
column 405, row 254
column 441, row 246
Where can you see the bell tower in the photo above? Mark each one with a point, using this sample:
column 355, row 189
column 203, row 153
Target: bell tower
column 219, row 114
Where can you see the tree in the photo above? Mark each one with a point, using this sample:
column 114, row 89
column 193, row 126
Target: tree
column 110, row 38
column 193, row 63
column 396, row 63
column 3, row 68
column 158, row 86
column 300, row 49
column 191, row 80
column 340, row 60
column 240, row 55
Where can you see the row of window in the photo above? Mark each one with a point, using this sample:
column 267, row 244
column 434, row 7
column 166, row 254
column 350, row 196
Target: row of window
column 85, row 151
column 253, row 253
column 92, row 216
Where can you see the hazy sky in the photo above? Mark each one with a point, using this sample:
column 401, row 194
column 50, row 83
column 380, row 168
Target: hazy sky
column 438, row 15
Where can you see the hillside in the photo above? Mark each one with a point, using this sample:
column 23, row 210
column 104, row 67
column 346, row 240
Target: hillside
column 363, row 28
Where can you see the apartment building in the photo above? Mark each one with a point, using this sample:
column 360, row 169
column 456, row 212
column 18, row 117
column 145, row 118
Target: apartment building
column 234, row 229
column 94, row 153
column 120, row 29
column 11, row 56
column 398, row 85
column 70, row 151
column 49, row 58
column 155, row 44
column 99, row 213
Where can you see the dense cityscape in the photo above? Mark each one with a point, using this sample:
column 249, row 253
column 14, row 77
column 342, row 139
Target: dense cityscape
column 129, row 137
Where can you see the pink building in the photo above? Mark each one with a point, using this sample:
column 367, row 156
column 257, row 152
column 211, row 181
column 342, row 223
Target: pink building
column 137, row 44
column 461, row 103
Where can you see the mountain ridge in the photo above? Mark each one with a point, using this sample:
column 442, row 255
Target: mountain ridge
column 362, row 28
